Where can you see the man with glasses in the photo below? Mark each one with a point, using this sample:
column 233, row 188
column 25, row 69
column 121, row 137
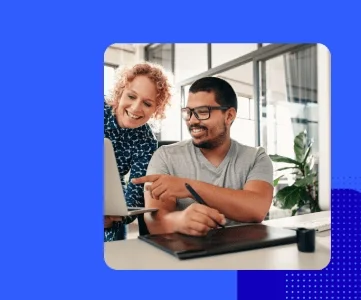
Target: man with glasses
column 229, row 182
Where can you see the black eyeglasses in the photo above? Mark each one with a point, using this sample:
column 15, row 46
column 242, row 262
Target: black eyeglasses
column 201, row 112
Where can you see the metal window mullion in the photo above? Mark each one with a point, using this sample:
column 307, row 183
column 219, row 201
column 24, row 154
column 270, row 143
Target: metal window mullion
column 256, row 103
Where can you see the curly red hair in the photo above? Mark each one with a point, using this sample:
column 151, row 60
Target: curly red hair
column 155, row 73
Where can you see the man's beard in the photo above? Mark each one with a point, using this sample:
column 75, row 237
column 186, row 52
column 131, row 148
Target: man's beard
column 213, row 143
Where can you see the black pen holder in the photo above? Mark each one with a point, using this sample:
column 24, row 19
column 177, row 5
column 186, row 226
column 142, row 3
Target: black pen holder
column 306, row 240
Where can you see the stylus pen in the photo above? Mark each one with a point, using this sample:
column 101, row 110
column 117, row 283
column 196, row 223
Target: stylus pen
column 199, row 199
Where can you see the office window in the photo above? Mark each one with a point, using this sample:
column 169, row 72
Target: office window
column 169, row 128
column 222, row 53
column 190, row 60
column 289, row 101
column 161, row 54
column 241, row 79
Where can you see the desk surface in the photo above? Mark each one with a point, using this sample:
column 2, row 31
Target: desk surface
column 138, row 255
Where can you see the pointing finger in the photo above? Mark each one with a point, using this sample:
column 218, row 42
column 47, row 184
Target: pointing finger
column 144, row 179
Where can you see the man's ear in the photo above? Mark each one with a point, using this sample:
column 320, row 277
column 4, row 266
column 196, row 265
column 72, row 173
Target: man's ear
column 231, row 115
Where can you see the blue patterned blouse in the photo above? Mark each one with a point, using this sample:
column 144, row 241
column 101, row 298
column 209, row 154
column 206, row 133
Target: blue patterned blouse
column 133, row 150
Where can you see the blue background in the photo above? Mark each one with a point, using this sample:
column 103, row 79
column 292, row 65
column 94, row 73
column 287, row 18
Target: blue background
column 51, row 122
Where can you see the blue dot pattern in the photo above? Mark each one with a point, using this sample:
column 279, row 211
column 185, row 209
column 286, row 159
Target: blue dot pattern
column 340, row 279
column 133, row 150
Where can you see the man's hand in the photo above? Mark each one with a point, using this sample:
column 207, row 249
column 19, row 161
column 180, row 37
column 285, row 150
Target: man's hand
column 198, row 219
column 108, row 221
column 164, row 187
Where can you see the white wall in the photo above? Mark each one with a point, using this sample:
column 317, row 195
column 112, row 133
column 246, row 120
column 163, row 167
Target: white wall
column 324, row 94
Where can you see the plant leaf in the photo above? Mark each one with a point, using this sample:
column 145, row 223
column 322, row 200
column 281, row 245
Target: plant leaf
column 275, row 182
column 311, row 162
column 279, row 158
column 286, row 168
column 288, row 196
column 308, row 151
column 305, row 181
column 293, row 195
column 305, row 196
column 299, row 146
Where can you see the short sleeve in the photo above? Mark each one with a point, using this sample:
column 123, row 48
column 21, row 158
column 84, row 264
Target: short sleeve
column 157, row 164
column 262, row 168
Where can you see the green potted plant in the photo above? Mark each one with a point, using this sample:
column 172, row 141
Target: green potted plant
column 303, row 193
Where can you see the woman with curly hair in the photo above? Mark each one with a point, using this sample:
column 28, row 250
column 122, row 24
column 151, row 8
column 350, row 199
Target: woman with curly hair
column 140, row 93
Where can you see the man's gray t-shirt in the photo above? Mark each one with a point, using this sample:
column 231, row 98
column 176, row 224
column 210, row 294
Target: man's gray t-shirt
column 241, row 164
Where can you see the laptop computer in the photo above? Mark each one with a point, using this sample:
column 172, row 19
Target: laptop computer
column 114, row 199
column 220, row 241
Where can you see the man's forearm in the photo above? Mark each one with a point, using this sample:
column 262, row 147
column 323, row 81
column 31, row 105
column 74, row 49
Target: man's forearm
column 238, row 205
column 161, row 221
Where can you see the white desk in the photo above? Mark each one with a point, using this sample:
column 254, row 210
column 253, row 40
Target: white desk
column 138, row 255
